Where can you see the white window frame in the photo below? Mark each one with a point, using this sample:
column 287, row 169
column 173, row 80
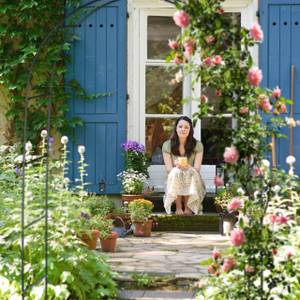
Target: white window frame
column 138, row 11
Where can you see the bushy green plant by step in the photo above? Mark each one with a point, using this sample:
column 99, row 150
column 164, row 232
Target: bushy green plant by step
column 75, row 272
column 140, row 210
column 100, row 205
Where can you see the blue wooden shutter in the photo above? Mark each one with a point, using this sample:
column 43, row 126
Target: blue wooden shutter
column 280, row 21
column 99, row 64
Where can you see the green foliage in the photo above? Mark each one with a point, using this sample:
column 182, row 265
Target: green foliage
column 103, row 224
column 100, row 205
column 223, row 197
column 24, row 26
column 140, row 210
column 74, row 272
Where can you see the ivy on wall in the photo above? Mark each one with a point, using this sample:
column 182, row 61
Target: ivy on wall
column 24, row 24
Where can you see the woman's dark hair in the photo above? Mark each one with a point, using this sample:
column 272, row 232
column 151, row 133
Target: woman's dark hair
column 190, row 141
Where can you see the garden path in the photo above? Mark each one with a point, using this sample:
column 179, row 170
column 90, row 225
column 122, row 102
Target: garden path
column 165, row 254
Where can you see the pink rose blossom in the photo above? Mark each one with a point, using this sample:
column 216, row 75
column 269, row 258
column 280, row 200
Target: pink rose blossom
column 235, row 204
column 218, row 93
column 273, row 218
column 215, row 254
column 203, row 99
column 231, row 155
column 249, row 269
column 221, row 10
column 255, row 76
column 181, row 19
column 208, row 61
column 256, row 32
column 189, row 47
column 237, row 237
column 173, row 44
column 276, row 92
column 282, row 219
column 211, row 269
column 282, row 108
column 265, row 105
column 258, row 171
column 289, row 254
column 218, row 181
column 244, row 110
column 178, row 60
column 217, row 60
column 209, row 39
column 228, row 264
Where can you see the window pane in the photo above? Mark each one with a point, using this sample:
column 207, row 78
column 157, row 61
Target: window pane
column 157, row 131
column 160, row 29
column 215, row 136
column 163, row 94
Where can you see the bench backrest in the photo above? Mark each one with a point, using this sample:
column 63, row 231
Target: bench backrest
column 158, row 177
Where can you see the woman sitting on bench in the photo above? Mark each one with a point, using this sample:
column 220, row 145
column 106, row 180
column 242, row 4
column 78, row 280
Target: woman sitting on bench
column 183, row 157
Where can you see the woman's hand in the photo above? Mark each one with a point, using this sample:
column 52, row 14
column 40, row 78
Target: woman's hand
column 181, row 167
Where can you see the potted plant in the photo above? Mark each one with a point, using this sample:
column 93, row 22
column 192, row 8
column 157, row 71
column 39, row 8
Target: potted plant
column 227, row 218
column 88, row 234
column 140, row 211
column 108, row 238
column 133, row 185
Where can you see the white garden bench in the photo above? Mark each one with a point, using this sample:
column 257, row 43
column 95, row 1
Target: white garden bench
column 158, row 177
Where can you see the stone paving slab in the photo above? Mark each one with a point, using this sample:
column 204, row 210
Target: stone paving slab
column 165, row 253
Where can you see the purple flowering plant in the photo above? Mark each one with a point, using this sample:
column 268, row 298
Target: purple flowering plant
column 135, row 157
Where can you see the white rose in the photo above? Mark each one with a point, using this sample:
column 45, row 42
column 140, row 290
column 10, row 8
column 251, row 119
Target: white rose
column 81, row 149
column 290, row 160
column 265, row 163
column 28, row 146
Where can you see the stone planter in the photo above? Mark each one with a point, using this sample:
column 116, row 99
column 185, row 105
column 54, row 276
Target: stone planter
column 227, row 221
column 142, row 229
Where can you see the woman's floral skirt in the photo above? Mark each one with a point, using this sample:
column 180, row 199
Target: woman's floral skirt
column 185, row 183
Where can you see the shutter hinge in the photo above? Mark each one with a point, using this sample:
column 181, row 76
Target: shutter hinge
column 127, row 97
column 127, row 15
column 258, row 13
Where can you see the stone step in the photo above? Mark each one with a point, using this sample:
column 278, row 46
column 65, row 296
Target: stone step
column 208, row 222
column 157, row 199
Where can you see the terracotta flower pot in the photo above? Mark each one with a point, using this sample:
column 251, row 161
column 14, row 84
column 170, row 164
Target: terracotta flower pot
column 109, row 244
column 91, row 240
column 142, row 229
column 129, row 198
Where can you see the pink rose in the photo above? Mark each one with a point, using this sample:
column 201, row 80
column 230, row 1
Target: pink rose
column 256, row 32
column 173, row 44
column 189, row 47
column 215, row 254
column 258, row 171
column 237, row 237
column 209, row 39
column 266, row 106
column 228, row 264
column 255, row 76
column 220, row 10
column 211, row 269
column 273, row 218
column 217, row 60
column 282, row 108
column 276, row 92
column 208, row 61
column 218, row 181
column 231, row 155
column 203, row 99
column 235, row 204
column 181, row 19
column 282, row 219
column 178, row 60
column 244, row 110
column 218, row 93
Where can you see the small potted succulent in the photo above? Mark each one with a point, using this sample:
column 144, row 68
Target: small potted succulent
column 140, row 211
column 108, row 238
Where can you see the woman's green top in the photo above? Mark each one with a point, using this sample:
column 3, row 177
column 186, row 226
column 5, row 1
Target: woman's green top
column 166, row 148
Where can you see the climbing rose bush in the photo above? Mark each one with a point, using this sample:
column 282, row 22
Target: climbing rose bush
column 263, row 259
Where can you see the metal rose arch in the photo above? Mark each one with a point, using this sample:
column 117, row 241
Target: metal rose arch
column 71, row 20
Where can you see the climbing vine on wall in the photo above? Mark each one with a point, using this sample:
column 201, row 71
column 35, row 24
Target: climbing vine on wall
column 263, row 261
column 24, row 24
